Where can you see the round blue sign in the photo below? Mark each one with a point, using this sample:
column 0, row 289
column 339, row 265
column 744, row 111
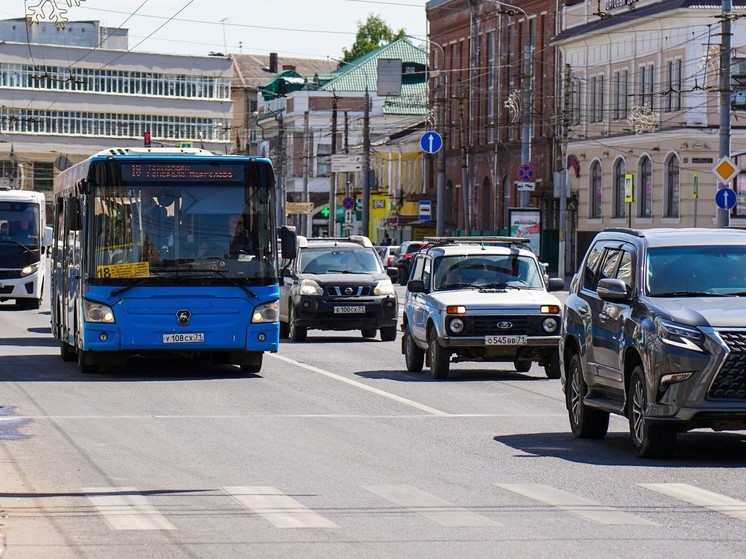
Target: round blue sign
column 725, row 198
column 348, row 203
column 526, row 173
column 430, row 142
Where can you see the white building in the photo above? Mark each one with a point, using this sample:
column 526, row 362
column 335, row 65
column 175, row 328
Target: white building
column 68, row 93
column 645, row 112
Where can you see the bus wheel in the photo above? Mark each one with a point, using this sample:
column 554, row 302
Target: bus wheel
column 67, row 352
column 86, row 363
column 252, row 362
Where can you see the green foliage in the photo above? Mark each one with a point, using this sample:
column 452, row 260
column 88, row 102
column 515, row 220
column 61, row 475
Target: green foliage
column 371, row 34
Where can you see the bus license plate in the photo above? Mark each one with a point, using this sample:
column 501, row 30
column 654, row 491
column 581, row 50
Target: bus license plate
column 183, row 338
column 349, row 309
column 505, row 340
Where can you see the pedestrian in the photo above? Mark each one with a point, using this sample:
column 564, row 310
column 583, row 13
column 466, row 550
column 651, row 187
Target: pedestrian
column 386, row 241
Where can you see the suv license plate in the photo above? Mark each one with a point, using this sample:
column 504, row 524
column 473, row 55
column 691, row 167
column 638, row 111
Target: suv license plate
column 183, row 338
column 349, row 309
column 505, row 340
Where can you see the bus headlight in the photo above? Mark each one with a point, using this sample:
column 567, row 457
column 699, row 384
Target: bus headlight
column 384, row 287
column 97, row 312
column 310, row 287
column 266, row 313
column 30, row 269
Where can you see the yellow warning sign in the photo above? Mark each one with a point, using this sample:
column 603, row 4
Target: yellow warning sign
column 127, row 270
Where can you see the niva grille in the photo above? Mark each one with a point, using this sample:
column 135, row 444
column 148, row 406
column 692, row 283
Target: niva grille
column 494, row 325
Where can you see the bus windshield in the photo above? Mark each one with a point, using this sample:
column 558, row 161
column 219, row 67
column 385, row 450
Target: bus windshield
column 182, row 232
column 19, row 225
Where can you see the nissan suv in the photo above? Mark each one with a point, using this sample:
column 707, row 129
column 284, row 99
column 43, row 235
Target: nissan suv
column 336, row 284
column 654, row 330
column 480, row 299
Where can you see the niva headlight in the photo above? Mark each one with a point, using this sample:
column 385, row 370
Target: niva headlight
column 679, row 335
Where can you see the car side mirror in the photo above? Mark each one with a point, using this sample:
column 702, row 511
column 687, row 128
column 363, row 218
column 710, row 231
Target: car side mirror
column 416, row 286
column 612, row 289
column 393, row 273
column 555, row 284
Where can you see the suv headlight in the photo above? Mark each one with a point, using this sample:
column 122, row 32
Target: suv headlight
column 266, row 313
column 97, row 312
column 310, row 287
column 679, row 335
column 384, row 287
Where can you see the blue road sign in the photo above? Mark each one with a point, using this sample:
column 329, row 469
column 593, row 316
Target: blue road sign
column 430, row 142
column 526, row 173
column 348, row 203
column 725, row 198
column 426, row 210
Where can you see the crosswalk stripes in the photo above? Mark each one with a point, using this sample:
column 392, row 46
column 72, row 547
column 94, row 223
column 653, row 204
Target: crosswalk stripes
column 280, row 510
column 124, row 508
column 701, row 498
column 431, row 507
column 579, row 506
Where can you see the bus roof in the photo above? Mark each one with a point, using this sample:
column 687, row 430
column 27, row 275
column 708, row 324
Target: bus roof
column 17, row 195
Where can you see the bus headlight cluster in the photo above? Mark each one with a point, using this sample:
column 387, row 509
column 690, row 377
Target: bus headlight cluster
column 97, row 312
column 550, row 325
column 30, row 269
column 266, row 313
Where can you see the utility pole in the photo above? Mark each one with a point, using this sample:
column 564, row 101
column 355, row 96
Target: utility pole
column 306, row 218
column 440, row 215
column 526, row 113
column 564, row 174
column 281, row 217
column 723, row 216
column 464, row 165
column 332, row 175
column 366, row 166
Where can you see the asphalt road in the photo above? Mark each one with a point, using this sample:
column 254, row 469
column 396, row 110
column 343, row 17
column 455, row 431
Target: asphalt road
column 334, row 450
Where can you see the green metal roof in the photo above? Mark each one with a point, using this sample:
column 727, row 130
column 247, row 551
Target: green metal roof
column 362, row 73
column 282, row 84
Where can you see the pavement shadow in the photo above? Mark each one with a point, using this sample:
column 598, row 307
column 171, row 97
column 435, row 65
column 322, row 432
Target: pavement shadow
column 693, row 449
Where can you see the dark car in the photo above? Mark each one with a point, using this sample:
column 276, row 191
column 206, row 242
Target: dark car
column 336, row 284
column 654, row 329
column 403, row 258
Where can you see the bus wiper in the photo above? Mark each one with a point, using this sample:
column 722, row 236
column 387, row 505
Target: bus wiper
column 20, row 244
column 141, row 281
column 223, row 275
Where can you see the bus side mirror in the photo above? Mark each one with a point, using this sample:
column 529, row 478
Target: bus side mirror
column 48, row 234
column 288, row 242
column 72, row 214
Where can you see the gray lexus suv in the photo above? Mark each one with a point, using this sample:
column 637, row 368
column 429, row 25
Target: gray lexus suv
column 654, row 329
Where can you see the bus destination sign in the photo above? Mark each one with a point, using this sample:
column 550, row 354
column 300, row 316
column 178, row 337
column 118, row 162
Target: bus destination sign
column 155, row 171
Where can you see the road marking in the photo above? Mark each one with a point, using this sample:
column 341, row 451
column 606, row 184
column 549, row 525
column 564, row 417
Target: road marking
column 431, row 507
column 399, row 399
column 701, row 498
column 574, row 504
column 280, row 510
column 124, row 508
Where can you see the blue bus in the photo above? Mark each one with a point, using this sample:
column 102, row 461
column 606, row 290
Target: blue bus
column 164, row 252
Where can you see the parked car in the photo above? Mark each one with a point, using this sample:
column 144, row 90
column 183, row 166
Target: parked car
column 336, row 284
column 403, row 258
column 480, row 299
column 387, row 255
column 654, row 330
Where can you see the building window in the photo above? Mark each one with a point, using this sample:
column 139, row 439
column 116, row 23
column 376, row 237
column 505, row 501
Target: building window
column 491, row 83
column 323, row 160
column 43, row 177
column 618, row 204
column 673, row 86
column 621, row 91
column 645, row 207
column 645, row 90
column 576, row 94
column 740, row 209
column 597, row 98
column 596, row 191
column 672, row 187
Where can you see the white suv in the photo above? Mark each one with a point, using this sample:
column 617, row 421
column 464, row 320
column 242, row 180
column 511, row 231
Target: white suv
column 480, row 299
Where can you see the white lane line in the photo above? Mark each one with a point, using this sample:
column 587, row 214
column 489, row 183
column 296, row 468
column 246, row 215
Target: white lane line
column 579, row 506
column 399, row 399
column 701, row 498
column 431, row 507
column 280, row 510
column 124, row 508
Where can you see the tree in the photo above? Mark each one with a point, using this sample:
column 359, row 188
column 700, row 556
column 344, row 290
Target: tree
column 372, row 34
